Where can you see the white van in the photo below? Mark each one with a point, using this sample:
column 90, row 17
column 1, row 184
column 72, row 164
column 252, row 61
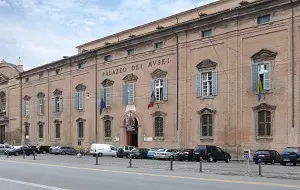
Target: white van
column 103, row 150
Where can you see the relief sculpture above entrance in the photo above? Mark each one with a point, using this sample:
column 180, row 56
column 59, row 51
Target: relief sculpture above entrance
column 131, row 126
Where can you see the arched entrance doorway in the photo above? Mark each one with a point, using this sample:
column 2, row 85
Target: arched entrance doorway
column 131, row 126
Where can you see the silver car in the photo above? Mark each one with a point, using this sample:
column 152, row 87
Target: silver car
column 166, row 154
column 4, row 147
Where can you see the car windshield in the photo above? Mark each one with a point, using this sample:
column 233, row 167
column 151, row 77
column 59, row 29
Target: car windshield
column 161, row 150
column 262, row 152
column 291, row 149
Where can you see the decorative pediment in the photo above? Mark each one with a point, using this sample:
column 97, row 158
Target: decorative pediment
column 206, row 111
column 264, row 55
column 80, row 87
column 206, row 64
column 130, row 78
column 41, row 123
column 26, row 98
column 107, row 82
column 57, row 121
column 159, row 114
column 264, row 106
column 107, row 117
column 40, row 95
column 158, row 73
column 80, row 120
column 3, row 78
column 57, row 92
column 26, row 123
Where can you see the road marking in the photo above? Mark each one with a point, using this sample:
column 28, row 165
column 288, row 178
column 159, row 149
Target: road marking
column 31, row 184
column 165, row 176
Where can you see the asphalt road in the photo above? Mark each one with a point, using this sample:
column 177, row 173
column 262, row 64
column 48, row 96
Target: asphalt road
column 16, row 175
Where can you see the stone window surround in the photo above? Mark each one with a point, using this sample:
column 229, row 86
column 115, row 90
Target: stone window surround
column 108, row 83
column 81, row 88
column 38, row 124
column 264, row 107
column 26, row 98
column 211, row 112
column 57, row 93
column 41, row 95
column 129, row 78
column 57, row 122
column 104, row 118
column 163, row 115
column 78, row 121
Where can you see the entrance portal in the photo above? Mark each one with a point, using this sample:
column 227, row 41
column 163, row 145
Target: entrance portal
column 132, row 133
column 2, row 134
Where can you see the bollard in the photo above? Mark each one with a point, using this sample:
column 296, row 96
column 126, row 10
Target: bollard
column 23, row 154
column 130, row 161
column 171, row 163
column 33, row 155
column 200, row 162
column 97, row 156
column 259, row 168
column 7, row 155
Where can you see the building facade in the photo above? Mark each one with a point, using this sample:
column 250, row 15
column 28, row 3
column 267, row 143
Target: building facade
column 225, row 74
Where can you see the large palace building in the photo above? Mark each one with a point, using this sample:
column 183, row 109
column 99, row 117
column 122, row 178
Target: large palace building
column 226, row 73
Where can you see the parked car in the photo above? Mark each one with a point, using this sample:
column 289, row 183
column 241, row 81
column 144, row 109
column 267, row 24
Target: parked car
column 16, row 151
column 185, row 154
column 140, row 153
column 151, row 152
column 291, row 155
column 52, row 148
column 103, row 150
column 166, row 154
column 267, row 156
column 211, row 153
column 65, row 150
column 44, row 149
column 4, row 147
column 123, row 151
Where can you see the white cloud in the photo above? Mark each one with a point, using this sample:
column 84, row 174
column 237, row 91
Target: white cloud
column 43, row 31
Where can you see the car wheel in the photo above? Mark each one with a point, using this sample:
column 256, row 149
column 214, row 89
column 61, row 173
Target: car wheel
column 215, row 160
column 171, row 158
column 210, row 159
column 16, row 154
column 294, row 163
column 227, row 159
column 273, row 162
column 283, row 163
column 266, row 163
column 100, row 154
column 63, row 153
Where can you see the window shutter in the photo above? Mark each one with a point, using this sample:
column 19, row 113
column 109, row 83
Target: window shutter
column 76, row 100
column 254, row 77
column 267, row 78
column 165, row 89
column 28, row 108
column 24, row 108
column 38, row 107
column 124, row 94
column 108, row 96
column 198, row 85
column 151, row 89
column 101, row 96
column 60, row 104
column 80, row 101
column 214, row 76
column 131, row 93
column 54, row 105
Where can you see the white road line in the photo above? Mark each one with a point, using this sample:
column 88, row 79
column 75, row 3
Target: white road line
column 31, row 184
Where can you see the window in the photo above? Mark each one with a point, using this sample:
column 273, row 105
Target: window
column 159, row 127
column 206, row 84
column 41, row 106
column 107, row 58
column 264, row 75
column 105, row 94
column 26, row 130
column 26, row 108
column 57, row 71
column 107, row 128
column 159, row 89
column 263, row 19
column 81, row 65
column 206, row 125
column 3, row 101
column 130, row 52
column 27, row 79
column 40, row 75
column 41, row 131
column 57, row 130
column 58, row 104
column 128, row 93
column 264, row 123
column 158, row 45
column 206, row 33
column 79, row 101
column 80, row 130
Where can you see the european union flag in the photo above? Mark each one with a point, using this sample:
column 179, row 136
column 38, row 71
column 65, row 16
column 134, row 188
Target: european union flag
column 102, row 105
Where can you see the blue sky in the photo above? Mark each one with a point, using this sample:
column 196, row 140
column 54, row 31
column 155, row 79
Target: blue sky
column 42, row 31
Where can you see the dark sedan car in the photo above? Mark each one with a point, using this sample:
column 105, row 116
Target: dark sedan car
column 291, row 155
column 267, row 156
column 28, row 150
column 140, row 153
column 185, row 154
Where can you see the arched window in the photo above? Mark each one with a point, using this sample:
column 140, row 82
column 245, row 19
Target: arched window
column 206, row 125
column 264, row 123
column 159, row 127
column 107, row 128
column 2, row 101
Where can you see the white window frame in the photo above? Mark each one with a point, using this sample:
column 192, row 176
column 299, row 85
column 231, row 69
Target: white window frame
column 80, row 100
column 57, row 104
column 27, row 108
column 259, row 68
column 159, row 89
column 41, row 106
column 206, row 82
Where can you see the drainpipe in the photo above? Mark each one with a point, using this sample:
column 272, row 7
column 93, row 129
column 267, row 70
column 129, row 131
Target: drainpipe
column 21, row 110
column 293, row 73
column 96, row 98
column 49, row 105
